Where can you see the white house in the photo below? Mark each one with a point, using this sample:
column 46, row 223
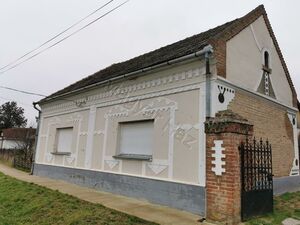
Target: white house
column 136, row 128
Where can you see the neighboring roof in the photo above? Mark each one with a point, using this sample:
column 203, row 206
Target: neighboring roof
column 18, row 133
column 216, row 37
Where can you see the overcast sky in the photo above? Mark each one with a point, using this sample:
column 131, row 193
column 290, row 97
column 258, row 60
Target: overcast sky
column 137, row 27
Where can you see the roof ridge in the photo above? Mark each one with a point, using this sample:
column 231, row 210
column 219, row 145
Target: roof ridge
column 259, row 10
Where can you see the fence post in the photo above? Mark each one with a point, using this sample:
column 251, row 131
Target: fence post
column 224, row 134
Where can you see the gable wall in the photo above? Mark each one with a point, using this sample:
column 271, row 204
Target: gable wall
column 244, row 59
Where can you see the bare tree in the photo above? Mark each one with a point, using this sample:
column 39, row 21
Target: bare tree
column 24, row 142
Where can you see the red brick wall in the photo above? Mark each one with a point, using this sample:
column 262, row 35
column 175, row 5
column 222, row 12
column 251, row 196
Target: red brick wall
column 223, row 192
column 270, row 122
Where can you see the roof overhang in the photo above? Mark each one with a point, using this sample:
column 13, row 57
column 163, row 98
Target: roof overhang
column 207, row 50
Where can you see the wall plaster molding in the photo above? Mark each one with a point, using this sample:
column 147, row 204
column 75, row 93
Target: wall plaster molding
column 111, row 163
column 152, row 108
column 70, row 159
column 123, row 91
column 218, row 155
column 49, row 157
column 295, row 168
column 98, row 132
column 222, row 95
column 57, row 122
column 157, row 168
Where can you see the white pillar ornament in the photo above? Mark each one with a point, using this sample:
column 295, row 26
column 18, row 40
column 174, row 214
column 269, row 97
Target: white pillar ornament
column 218, row 155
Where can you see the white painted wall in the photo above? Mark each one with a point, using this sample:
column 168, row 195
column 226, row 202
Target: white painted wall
column 173, row 98
column 245, row 59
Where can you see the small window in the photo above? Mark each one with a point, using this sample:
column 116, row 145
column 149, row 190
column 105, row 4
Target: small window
column 266, row 59
column 64, row 140
column 136, row 139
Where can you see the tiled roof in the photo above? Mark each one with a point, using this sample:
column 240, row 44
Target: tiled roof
column 181, row 48
column 164, row 54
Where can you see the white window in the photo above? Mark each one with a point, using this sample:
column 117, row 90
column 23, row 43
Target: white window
column 64, row 140
column 136, row 139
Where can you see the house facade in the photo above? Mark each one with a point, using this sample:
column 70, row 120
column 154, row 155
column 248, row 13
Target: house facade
column 136, row 128
column 298, row 126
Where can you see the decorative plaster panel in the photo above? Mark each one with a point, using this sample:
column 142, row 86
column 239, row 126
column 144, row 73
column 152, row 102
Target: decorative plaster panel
column 70, row 159
column 293, row 119
column 157, row 168
column 222, row 95
column 49, row 157
column 218, row 155
column 112, row 163
column 99, row 132
column 124, row 91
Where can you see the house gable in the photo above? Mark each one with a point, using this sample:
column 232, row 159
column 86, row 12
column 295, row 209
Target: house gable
column 245, row 60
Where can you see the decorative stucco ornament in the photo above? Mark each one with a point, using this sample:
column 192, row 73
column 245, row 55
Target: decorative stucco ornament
column 222, row 95
column 112, row 163
column 218, row 155
column 157, row 168
column 49, row 157
column 70, row 159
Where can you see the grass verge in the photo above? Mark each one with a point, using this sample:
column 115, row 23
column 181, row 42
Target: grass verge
column 286, row 205
column 24, row 203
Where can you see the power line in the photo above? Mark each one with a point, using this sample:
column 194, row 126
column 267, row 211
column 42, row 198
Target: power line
column 23, row 92
column 33, row 93
column 37, row 94
column 58, row 42
column 22, row 103
column 57, row 35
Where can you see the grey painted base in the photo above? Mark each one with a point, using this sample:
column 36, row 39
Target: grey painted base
column 286, row 184
column 181, row 196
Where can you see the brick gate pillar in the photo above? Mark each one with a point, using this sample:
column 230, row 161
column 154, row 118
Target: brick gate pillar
column 224, row 134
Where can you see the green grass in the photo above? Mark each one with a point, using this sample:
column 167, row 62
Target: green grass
column 286, row 205
column 26, row 203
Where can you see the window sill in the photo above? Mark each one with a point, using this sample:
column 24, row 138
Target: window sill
column 134, row 157
column 61, row 153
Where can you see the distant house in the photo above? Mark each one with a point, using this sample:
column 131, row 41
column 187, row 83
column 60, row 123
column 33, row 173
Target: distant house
column 17, row 138
column 137, row 128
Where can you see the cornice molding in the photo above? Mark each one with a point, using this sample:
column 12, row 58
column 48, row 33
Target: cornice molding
column 117, row 91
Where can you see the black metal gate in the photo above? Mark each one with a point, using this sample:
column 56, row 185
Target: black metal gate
column 256, row 178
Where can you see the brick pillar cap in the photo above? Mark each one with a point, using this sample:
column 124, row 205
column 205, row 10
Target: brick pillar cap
column 228, row 122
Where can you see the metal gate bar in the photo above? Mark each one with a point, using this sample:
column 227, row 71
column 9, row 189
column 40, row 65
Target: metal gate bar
column 256, row 178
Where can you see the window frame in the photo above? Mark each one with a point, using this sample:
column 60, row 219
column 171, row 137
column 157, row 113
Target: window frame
column 133, row 156
column 56, row 141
